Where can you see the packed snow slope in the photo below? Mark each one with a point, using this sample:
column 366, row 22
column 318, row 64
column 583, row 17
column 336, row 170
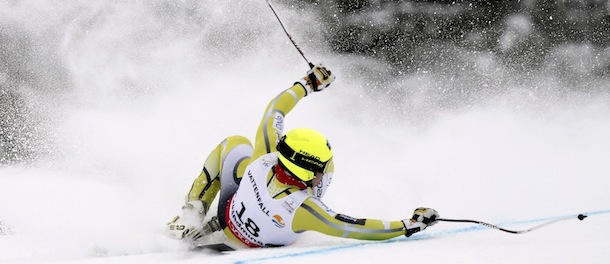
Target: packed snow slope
column 138, row 92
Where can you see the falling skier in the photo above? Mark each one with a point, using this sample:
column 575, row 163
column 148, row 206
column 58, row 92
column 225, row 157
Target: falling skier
column 271, row 192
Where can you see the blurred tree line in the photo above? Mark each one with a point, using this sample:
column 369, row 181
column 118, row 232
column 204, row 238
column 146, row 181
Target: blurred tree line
column 520, row 32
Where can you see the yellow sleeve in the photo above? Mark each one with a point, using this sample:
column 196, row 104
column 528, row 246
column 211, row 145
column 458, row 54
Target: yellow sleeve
column 271, row 127
column 313, row 215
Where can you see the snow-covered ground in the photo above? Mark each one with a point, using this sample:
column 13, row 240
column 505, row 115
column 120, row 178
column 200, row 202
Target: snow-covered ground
column 153, row 87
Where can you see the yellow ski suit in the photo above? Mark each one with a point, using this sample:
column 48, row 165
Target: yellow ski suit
column 224, row 169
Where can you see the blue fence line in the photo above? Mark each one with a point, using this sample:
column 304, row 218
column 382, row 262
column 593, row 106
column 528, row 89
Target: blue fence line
column 420, row 236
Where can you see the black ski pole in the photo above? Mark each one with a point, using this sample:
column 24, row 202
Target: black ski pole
column 289, row 36
column 580, row 217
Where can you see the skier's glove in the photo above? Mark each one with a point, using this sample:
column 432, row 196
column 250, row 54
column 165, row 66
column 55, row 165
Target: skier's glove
column 427, row 216
column 193, row 213
column 318, row 78
column 422, row 218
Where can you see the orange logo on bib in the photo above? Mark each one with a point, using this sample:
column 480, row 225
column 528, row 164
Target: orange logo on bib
column 278, row 221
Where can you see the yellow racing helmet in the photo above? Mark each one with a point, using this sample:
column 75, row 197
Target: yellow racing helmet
column 303, row 152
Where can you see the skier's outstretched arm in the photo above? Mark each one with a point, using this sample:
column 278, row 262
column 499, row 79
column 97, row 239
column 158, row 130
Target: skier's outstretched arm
column 313, row 215
column 271, row 126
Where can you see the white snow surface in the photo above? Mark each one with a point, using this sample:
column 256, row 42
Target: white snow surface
column 155, row 85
